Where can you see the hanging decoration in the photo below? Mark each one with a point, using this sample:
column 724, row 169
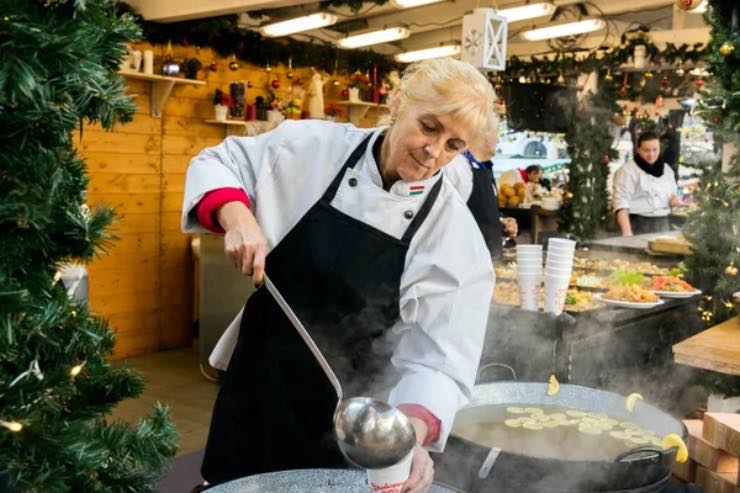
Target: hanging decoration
column 727, row 49
column 275, row 83
column 225, row 37
column 233, row 64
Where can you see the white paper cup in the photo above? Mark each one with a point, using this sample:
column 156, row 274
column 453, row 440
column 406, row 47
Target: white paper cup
column 557, row 255
column 554, row 271
column 529, row 248
column 390, row 479
column 559, row 265
column 529, row 262
column 556, row 288
column 529, row 291
column 561, row 243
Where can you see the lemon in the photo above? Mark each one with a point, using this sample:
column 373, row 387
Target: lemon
column 532, row 426
column 629, row 402
column 575, row 413
column 512, row 423
column 554, row 386
column 672, row 440
column 534, row 410
column 515, row 410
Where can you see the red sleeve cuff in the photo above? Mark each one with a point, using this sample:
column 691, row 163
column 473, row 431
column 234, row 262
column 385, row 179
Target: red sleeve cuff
column 212, row 201
column 420, row 412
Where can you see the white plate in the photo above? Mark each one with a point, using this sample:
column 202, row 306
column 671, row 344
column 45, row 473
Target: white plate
column 627, row 304
column 677, row 294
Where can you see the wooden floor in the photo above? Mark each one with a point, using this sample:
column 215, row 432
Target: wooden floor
column 173, row 378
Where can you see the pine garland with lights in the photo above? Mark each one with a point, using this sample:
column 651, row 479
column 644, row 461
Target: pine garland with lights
column 714, row 229
column 590, row 149
column 58, row 69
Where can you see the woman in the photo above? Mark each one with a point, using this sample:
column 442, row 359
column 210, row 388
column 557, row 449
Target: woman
column 473, row 180
column 375, row 252
column 644, row 189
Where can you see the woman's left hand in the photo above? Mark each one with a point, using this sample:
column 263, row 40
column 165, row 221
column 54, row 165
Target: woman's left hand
column 422, row 472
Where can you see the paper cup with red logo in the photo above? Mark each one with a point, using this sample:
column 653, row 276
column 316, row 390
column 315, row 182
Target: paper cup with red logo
column 390, row 479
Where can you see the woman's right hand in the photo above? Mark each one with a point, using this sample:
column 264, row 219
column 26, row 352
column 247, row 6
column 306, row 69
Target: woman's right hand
column 244, row 243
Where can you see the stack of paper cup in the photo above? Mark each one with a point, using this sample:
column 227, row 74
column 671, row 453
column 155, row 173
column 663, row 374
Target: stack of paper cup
column 390, row 479
column 529, row 275
column 558, row 267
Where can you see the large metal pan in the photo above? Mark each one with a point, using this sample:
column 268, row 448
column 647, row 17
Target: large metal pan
column 474, row 468
column 305, row 481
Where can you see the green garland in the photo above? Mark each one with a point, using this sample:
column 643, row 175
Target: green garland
column 224, row 35
column 590, row 148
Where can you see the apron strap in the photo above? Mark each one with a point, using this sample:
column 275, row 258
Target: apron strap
column 423, row 212
column 350, row 163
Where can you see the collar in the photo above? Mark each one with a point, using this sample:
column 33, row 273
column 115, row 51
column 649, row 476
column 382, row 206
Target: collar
column 475, row 163
column 401, row 188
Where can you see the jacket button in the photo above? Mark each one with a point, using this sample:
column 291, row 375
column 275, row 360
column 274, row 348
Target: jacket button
column 353, row 182
column 408, row 214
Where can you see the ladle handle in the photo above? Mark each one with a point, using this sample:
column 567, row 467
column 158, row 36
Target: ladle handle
column 305, row 336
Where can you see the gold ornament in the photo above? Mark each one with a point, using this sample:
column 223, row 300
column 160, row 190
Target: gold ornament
column 648, row 75
column 731, row 270
column 608, row 77
column 75, row 370
column 727, row 48
column 268, row 69
column 680, row 72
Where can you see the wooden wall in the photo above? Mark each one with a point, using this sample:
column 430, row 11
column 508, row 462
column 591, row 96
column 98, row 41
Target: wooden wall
column 144, row 285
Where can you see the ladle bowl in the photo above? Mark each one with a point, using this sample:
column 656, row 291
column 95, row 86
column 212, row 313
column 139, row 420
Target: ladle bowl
column 372, row 434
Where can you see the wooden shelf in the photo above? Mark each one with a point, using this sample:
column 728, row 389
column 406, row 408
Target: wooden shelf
column 161, row 87
column 250, row 127
column 358, row 109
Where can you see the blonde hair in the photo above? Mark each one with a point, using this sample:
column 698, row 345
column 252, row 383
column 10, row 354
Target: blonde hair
column 450, row 87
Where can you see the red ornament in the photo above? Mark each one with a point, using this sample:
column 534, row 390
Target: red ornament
column 275, row 84
column 213, row 67
column 345, row 93
column 699, row 83
column 605, row 160
column 249, row 84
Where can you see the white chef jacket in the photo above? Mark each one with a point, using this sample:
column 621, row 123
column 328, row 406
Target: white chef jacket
column 643, row 193
column 448, row 280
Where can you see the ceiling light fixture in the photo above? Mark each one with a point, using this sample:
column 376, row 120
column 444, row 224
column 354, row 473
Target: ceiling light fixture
column 405, row 4
column 299, row 24
column 374, row 37
column 569, row 29
column 530, row 11
column 427, row 53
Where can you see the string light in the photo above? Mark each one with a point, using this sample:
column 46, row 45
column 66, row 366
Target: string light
column 11, row 425
column 75, row 370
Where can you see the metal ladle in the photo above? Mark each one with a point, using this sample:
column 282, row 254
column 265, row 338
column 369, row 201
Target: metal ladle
column 370, row 433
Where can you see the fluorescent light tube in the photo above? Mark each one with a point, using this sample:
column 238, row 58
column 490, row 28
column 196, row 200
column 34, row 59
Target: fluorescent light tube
column 299, row 24
column 569, row 29
column 405, row 4
column 527, row 11
column 436, row 52
column 374, row 37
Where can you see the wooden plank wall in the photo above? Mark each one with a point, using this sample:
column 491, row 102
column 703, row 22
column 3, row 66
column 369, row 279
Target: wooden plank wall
column 144, row 284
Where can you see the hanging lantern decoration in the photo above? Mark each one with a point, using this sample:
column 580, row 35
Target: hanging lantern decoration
column 688, row 4
column 233, row 64
column 608, row 77
column 727, row 49
column 561, row 79
column 275, row 84
column 289, row 75
column 268, row 69
column 649, row 75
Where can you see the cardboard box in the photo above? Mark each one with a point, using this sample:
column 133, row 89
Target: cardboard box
column 707, row 454
column 723, row 430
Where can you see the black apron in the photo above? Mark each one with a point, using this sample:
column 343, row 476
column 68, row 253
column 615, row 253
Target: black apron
column 644, row 224
column 342, row 278
column 483, row 204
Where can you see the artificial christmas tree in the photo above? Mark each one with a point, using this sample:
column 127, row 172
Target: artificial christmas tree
column 57, row 71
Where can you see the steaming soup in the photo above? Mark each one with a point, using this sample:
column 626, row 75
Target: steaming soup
column 552, row 432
